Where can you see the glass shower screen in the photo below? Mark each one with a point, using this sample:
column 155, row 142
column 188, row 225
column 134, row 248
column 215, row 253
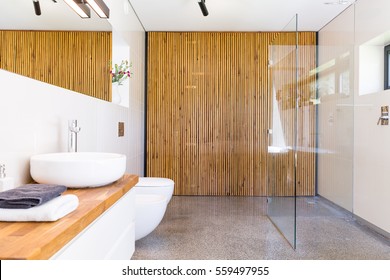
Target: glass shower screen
column 282, row 132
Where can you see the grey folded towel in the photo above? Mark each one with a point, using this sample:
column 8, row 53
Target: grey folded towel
column 29, row 195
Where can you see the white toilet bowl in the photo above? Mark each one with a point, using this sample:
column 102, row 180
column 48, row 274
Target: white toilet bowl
column 155, row 185
column 152, row 196
column 150, row 209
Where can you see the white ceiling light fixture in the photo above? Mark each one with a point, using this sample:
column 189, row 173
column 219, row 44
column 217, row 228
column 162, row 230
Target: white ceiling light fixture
column 80, row 8
column 99, row 7
column 203, row 8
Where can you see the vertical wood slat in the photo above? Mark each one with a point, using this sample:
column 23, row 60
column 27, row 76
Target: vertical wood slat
column 209, row 109
column 75, row 60
column 285, row 82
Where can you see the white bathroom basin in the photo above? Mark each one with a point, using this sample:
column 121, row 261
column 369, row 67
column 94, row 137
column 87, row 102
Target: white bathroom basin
column 77, row 170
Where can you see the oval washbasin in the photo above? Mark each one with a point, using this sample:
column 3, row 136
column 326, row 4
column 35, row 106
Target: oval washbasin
column 77, row 170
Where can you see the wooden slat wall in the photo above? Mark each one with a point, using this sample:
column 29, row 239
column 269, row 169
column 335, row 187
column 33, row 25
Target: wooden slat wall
column 306, row 126
column 282, row 178
column 209, row 110
column 75, row 60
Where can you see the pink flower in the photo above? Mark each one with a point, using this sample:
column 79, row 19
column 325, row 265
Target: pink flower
column 121, row 72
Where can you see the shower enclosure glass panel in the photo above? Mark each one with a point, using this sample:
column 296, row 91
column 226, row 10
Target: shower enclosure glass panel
column 336, row 111
column 282, row 133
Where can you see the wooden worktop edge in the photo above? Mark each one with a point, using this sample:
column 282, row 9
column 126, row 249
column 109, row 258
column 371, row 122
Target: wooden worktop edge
column 55, row 235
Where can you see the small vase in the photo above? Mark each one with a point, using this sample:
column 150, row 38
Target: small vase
column 116, row 97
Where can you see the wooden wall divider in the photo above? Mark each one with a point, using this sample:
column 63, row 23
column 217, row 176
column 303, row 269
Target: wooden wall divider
column 75, row 60
column 209, row 108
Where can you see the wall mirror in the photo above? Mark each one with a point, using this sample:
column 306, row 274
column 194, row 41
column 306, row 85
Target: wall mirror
column 56, row 17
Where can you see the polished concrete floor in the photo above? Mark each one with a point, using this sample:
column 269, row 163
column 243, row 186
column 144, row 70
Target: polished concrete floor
column 226, row 228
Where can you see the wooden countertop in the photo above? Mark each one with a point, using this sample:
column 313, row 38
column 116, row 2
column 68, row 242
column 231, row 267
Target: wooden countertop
column 41, row 240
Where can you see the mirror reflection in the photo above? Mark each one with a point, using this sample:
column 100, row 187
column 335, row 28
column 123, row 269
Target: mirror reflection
column 56, row 47
column 20, row 15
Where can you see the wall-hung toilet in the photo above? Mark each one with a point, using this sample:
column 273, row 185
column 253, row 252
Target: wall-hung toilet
column 152, row 196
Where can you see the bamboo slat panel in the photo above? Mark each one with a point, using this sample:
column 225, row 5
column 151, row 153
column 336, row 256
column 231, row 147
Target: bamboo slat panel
column 284, row 81
column 75, row 60
column 209, row 108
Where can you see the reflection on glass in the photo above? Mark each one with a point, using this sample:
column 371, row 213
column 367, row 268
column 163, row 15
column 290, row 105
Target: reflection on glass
column 327, row 84
column 344, row 83
column 281, row 189
column 277, row 140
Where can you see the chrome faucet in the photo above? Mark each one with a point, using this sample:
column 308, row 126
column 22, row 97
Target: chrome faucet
column 73, row 129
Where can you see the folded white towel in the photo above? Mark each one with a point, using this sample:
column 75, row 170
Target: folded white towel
column 50, row 211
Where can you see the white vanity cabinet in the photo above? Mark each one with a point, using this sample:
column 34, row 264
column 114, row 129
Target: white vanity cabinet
column 109, row 237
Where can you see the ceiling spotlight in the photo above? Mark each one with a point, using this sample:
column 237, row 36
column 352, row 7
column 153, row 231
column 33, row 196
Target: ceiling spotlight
column 202, row 5
column 37, row 7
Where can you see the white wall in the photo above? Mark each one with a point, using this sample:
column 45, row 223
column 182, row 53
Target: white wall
column 126, row 24
column 371, row 152
column 34, row 115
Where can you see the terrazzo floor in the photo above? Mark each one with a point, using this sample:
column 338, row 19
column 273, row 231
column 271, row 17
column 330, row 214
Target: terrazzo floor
column 226, row 228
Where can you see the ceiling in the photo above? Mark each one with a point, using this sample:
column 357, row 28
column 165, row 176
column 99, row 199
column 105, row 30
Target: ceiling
column 235, row 15
column 179, row 15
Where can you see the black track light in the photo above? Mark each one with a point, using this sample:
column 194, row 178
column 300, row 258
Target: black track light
column 37, row 7
column 202, row 5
